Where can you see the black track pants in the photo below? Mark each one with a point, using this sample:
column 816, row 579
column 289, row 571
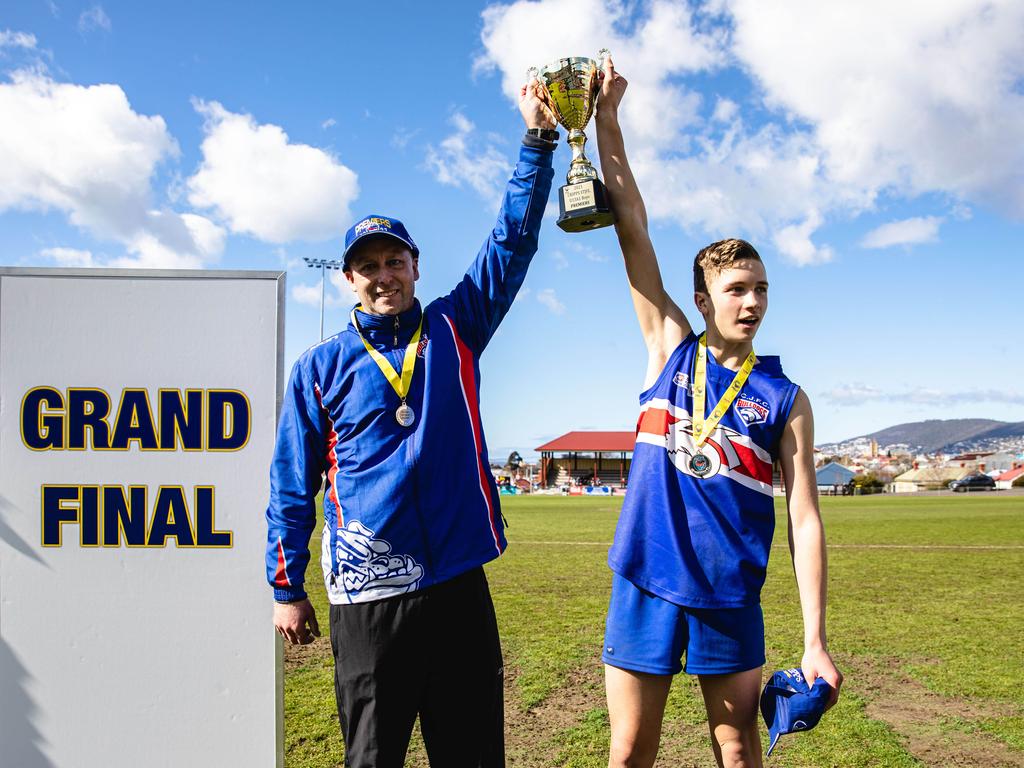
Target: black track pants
column 433, row 653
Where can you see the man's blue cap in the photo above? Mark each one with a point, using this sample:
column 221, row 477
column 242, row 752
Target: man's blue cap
column 788, row 705
column 377, row 226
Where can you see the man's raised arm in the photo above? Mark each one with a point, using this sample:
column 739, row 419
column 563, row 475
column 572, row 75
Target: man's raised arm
column 662, row 322
column 493, row 280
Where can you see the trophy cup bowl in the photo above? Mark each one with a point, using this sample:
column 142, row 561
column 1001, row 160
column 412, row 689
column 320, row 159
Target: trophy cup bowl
column 571, row 85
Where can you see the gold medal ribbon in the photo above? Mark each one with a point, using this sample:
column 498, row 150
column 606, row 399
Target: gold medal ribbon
column 398, row 383
column 702, row 428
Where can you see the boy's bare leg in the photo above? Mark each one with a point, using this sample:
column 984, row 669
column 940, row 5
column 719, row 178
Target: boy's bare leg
column 731, row 702
column 636, row 705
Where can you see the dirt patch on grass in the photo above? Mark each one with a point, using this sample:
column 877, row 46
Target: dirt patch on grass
column 534, row 737
column 918, row 715
column 296, row 656
column 531, row 735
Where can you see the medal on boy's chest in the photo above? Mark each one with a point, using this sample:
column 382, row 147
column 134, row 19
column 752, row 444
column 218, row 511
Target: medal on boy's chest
column 404, row 414
column 700, row 464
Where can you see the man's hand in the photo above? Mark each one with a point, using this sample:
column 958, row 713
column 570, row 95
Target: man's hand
column 291, row 619
column 613, row 86
column 818, row 663
column 534, row 107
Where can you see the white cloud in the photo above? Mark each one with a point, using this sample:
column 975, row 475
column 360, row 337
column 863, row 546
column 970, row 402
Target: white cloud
column 663, row 43
column 854, row 394
column 922, row 229
column 69, row 257
column 330, row 122
column 934, row 107
column 588, row 253
column 173, row 241
column 263, row 185
column 84, row 151
column 463, row 158
column 858, row 394
column 794, row 241
column 92, row 19
column 9, row 39
column 560, row 259
column 725, row 110
column 306, row 294
column 401, row 137
column 915, row 97
column 549, row 299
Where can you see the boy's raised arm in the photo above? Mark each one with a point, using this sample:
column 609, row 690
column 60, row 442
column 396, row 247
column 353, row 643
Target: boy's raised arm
column 662, row 322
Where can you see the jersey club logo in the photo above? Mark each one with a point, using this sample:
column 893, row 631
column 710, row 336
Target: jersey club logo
column 753, row 410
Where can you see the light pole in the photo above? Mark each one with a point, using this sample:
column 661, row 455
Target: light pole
column 324, row 265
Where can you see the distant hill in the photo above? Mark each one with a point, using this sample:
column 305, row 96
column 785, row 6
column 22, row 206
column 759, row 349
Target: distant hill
column 935, row 434
column 945, row 435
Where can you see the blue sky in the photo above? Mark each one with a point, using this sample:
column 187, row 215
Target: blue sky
column 872, row 153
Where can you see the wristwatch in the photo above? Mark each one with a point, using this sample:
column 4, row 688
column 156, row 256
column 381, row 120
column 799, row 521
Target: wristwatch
column 548, row 134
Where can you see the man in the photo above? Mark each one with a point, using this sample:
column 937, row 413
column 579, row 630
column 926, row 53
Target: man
column 691, row 548
column 388, row 410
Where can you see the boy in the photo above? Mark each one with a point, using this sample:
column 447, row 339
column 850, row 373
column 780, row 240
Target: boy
column 691, row 548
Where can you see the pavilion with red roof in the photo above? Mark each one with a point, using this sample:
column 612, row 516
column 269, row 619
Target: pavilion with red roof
column 597, row 456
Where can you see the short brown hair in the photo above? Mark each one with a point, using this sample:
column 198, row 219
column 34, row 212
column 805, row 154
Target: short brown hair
column 717, row 257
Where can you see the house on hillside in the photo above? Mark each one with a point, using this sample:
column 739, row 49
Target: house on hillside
column 832, row 478
column 927, row 479
column 1007, row 479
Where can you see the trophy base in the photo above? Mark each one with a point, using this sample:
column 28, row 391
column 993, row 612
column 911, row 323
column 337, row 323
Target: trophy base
column 584, row 206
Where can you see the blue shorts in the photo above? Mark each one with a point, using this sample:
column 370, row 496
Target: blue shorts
column 647, row 634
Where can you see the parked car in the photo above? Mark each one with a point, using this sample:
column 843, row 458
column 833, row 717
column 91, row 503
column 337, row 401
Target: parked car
column 974, row 482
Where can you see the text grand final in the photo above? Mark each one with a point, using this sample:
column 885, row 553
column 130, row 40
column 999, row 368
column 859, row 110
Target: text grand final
column 81, row 419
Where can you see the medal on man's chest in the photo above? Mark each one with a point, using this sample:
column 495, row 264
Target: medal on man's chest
column 404, row 414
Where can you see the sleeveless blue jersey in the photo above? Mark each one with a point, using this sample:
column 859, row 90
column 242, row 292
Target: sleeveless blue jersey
column 703, row 542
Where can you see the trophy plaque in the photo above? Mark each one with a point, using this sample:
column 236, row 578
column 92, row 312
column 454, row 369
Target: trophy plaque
column 572, row 85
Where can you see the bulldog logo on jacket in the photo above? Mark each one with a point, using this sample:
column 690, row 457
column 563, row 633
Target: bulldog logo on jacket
column 368, row 570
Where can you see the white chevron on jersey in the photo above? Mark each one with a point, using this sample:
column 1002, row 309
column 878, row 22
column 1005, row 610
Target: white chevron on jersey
column 732, row 454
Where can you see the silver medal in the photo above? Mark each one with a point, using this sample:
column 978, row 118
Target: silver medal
column 405, row 415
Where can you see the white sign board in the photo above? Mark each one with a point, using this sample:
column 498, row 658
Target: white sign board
column 137, row 418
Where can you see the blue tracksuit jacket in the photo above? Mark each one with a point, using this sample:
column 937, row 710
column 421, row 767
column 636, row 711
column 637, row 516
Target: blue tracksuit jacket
column 404, row 507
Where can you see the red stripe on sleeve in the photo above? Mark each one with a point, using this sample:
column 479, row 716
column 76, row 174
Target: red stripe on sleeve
column 468, row 381
column 281, row 576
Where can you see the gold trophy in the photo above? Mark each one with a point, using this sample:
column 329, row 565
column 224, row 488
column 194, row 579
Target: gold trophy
column 572, row 85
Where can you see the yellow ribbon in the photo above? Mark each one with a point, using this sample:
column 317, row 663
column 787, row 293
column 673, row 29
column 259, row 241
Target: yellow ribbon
column 702, row 428
column 398, row 383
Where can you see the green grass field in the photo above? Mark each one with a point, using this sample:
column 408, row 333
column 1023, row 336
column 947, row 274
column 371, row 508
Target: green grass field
column 926, row 620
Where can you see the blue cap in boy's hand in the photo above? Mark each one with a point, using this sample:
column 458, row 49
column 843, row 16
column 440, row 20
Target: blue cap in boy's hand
column 788, row 704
